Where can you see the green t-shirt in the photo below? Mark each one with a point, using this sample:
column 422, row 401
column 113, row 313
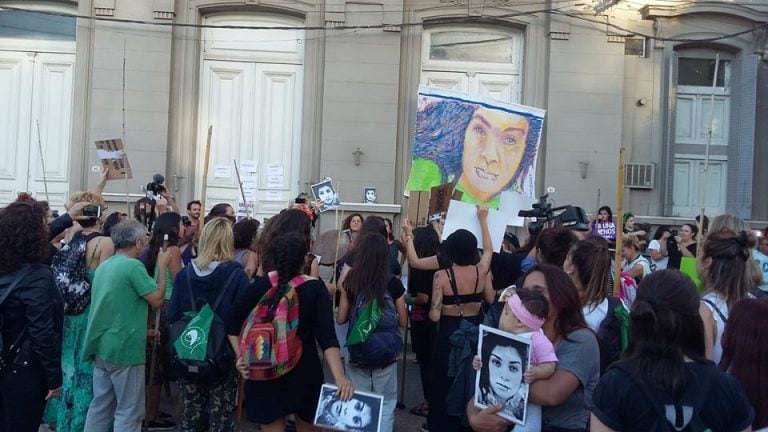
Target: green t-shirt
column 168, row 282
column 117, row 323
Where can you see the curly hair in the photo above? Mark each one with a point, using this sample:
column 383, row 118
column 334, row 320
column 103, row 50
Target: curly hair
column 245, row 233
column 23, row 235
column 292, row 220
column 440, row 132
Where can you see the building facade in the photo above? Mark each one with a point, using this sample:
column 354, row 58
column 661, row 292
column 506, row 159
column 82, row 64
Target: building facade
column 309, row 89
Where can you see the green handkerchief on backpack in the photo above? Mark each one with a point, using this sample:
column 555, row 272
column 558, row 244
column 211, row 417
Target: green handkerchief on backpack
column 192, row 344
column 365, row 325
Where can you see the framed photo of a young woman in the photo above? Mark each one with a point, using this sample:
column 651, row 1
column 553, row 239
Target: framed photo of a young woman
column 362, row 413
column 505, row 359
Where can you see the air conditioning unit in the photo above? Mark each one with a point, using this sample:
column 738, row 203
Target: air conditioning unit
column 639, row 175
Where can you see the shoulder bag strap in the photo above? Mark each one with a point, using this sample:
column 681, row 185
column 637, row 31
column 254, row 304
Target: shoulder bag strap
column 711, row 303
column 189, row 272
column 227, row 284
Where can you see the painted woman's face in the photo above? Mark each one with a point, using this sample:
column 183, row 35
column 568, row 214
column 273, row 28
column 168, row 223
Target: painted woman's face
column 505, row 371
column 494, row 144
column 353, row 413
column 326, row 195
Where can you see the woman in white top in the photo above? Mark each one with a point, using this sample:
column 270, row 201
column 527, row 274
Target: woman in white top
column 589, row 264
column 634, row 264
column 658, row 247
column 725, row 267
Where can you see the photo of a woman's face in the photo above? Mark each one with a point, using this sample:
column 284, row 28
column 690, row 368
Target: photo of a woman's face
column 370, row 195
column 325, row 194
column 505, row 370
column 494, row 145
column 352, row 413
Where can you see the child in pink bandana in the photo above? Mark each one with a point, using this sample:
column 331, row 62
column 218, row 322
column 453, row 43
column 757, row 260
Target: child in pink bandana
column 524, row 314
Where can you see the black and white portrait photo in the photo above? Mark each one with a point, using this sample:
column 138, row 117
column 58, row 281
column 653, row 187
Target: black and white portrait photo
column 505, row 358
column 369, row 195
column 326, row 194
column 362, row 413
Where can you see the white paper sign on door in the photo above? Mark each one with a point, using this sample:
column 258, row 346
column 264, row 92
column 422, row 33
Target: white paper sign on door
column 275, row 170
column 248, row 166
column 222, row 171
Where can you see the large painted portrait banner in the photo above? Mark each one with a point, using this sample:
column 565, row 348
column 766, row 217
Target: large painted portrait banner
column 483, row 147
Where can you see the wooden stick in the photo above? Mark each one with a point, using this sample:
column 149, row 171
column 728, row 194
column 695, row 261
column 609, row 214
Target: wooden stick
column 240, row 397
column 242, row 192
column 42, row 161
column 127, row 188
column 201, row 219
column 619, row 225
column 338, row 243
column 705, row 183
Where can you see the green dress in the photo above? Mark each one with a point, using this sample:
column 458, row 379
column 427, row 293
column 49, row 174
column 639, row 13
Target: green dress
column 68, row 411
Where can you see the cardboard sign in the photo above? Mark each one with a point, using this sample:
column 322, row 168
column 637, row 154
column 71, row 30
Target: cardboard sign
column 112, row 153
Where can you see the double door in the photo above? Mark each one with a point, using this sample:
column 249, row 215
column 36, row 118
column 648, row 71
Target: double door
column 35, row 124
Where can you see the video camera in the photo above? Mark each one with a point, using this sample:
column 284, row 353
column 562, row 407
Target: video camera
column 155, row 188
column 566, row 216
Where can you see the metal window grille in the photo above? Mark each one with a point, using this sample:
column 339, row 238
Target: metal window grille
column 639, row 175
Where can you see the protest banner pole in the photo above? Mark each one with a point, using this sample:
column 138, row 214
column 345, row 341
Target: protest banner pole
column 207, row 160
column 240, row 397
column 156, row 335
column 705, row 183
column 242, row 192
column 619, row 224
column 127, row 187
column 42, row 161
column 401, row 399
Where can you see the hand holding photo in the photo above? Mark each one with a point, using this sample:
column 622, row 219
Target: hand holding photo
column 362, row 413
column 505, row 357
column 326, row 194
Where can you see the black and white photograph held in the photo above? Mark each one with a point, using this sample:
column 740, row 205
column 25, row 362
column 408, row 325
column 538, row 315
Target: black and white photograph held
column 362, row 413
column 505, row 359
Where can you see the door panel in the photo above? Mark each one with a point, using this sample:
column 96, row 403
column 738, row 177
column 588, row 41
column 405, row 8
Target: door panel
column 500, row 87
column 454, row 81
column 39, row 89
column 688, row 182
column 255, row 112
column 14, row 112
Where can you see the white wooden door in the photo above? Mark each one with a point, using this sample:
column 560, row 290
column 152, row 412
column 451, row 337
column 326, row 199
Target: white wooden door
column 255, row 111
column 688, row 181
column 37, row 88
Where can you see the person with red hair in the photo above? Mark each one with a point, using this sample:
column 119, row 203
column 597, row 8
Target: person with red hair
column 745, row 354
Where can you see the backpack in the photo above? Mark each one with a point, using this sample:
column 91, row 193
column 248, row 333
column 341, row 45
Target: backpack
column 682, row 414
column 70, row 273
column 269, row 340
column 383, row 344
column 609, row 335
column 201, row 352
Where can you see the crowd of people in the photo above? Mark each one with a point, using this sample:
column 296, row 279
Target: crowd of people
column 101, row 313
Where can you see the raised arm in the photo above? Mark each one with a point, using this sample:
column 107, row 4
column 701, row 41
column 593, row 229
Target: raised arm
column 98, row 189
column 485, row 260
column 406, row 237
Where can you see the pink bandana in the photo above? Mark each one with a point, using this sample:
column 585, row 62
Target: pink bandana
column 528, row 319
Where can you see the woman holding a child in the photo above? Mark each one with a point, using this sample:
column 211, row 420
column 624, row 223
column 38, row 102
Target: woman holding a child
column 564, row 395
